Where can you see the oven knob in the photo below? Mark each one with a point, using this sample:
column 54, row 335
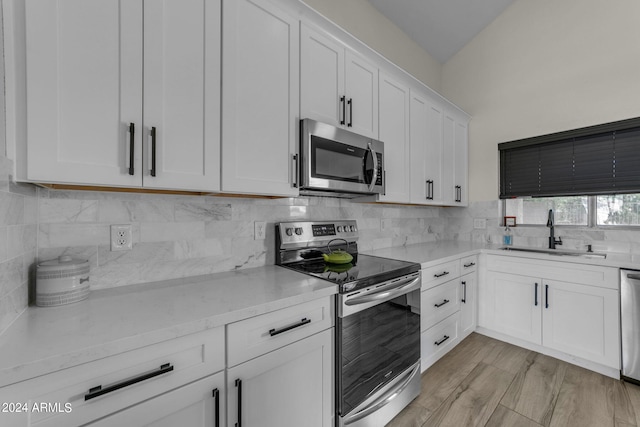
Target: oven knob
column 289, row 231
column 339, row 229
column 352, row 228
column 298, row 231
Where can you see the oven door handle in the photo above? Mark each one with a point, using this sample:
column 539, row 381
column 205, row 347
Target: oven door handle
column 386, row 293
column 374, row 156
column 385, row 398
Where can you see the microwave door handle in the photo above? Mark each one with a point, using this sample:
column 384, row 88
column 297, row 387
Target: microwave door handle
column 375, row 168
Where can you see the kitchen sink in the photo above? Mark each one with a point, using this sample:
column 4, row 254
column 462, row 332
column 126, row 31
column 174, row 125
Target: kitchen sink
column 557, row 252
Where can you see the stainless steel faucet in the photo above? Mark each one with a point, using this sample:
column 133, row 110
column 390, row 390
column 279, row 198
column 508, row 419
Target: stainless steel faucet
column 552, row 240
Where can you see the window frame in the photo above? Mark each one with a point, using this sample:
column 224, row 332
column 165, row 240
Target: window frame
column 592, row 218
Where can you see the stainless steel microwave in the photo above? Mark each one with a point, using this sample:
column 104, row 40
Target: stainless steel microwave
column 336, row 161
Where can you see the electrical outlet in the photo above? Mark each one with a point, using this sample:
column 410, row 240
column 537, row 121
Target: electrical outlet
column 259, row 230
column 121, row 237
column 480, row 223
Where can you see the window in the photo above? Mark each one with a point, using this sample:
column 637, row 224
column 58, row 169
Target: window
column 592, row 211
column 535, row 211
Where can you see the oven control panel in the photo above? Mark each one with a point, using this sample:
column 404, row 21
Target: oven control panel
column 307, row 233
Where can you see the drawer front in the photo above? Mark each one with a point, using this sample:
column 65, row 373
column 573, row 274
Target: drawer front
column 585, row 274
column 438, row 274
column 439, row 303
column 191, row 357
column 258, row 335
column 438, row 340
column 468, row 264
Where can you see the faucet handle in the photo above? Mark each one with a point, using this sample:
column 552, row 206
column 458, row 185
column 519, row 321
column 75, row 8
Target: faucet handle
column 559, row 241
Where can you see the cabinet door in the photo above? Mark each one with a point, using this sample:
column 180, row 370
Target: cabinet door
column 361, row 88
column 515, row 306
column 198, row 404
column 259, row 98
column 448, row 160
column 582, row 321
column 182, row 94
column 288, row 387
column 460, row 164
column 84, row 89
column 425, row 131
column 394, row 132
column 468, row 304
column 322, row 78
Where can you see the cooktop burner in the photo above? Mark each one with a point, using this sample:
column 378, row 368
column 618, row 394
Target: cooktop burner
column 300, row 246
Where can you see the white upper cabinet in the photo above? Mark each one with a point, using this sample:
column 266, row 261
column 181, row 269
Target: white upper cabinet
column 338, row 86
column 260, row 99
column 86, row 90
column 454, row 160
column 394, row 132
column 182, row 94
column 426, row 150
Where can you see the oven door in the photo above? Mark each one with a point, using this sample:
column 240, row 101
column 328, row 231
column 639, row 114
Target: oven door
column 337, row 160
column 378, row 351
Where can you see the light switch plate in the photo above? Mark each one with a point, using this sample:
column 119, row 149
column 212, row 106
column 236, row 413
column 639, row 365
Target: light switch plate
column 479, row 223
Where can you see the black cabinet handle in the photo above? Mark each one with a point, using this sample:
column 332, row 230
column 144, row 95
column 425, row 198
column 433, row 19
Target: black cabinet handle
column 441, row 304
column 99, row 391
column 546, row 296
column 535, row 295
column 132, row 132
column 302, row 322
column 344, row 109
column 429, row 189
column 441, row 274
column 296, row 171
column 350, row 102
column 471, row 264
column 458, row 193
column 153, row 151
column 216, row 407
column 464, row 290
column 239, row 387
column 446, row 337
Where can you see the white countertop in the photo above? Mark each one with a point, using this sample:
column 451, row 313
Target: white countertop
column 44, row 340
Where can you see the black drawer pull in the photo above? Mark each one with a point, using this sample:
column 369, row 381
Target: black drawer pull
column 441, row 304
column 303, row 322
column 441, row 274
column 471, row 264
column 446, row 337
column 153, row 152
column 535, row 295
column 99, row 391
column 546, row 296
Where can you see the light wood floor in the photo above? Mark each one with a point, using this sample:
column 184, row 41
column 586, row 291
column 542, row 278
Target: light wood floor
column 485, row 382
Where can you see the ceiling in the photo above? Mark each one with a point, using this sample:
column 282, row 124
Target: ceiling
column 441, row 27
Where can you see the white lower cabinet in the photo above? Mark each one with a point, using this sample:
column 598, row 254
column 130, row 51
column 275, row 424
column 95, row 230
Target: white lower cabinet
column 447, row 307
column 199, row 404
column 557, row 306
column 291, row 386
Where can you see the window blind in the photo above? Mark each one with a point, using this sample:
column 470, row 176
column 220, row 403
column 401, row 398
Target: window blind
column 597, row 160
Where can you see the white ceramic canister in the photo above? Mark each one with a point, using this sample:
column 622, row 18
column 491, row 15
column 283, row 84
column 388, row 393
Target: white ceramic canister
column 62, row 281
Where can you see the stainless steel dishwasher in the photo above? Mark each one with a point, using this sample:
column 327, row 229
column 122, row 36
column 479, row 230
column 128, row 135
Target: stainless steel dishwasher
column 630, row 313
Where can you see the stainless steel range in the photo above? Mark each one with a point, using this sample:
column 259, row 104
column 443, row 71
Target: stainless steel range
column 377, row 318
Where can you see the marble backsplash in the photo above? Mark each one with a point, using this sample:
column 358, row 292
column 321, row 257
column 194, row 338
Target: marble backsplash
column 18, row 233
column 460, row 227
column 179, row 236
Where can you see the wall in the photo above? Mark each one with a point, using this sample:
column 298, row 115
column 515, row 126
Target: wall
column 363, row 21
column 178, row 236
column 541, row 67
column 17, row 229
